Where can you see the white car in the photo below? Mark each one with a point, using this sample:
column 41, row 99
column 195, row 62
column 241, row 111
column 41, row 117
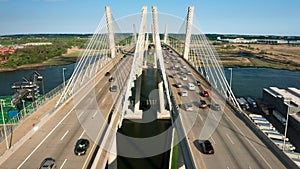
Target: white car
column 183, row 93
column 188, row 107
column 184, row 78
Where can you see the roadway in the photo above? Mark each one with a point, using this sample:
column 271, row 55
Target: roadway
column 236, row 146
column 85, row 115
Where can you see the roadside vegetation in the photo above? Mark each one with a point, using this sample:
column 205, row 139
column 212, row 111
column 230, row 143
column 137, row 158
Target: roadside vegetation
column 39, row 53
column 66, row 48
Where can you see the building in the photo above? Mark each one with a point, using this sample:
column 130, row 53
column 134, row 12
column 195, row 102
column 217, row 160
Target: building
column 6, row 50
column 284, row 101
column 37, row 44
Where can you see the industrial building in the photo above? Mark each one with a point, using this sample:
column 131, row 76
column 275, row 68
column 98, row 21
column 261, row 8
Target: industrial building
column 285, row 101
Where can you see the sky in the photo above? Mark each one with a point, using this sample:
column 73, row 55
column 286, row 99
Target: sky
column 254, row 17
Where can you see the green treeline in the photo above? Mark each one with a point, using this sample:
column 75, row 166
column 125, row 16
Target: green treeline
column 38, row 54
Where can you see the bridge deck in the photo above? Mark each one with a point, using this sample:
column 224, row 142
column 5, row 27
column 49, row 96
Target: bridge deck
column 236, row 146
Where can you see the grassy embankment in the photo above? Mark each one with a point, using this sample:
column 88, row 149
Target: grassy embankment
column 282, row 56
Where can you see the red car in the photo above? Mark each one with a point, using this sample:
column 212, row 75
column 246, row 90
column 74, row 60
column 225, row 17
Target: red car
column 204, row 93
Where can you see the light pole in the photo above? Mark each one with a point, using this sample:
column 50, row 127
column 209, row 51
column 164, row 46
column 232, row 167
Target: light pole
column 286, row 126
column 230, row 77
column 4, row 126
column 64, row 79
column 24, row 108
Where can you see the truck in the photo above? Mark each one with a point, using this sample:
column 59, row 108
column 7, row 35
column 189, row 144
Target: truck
column 276, row 136
column 279, row 117
column 251, row 101
column 243, row 103
column 264, row 125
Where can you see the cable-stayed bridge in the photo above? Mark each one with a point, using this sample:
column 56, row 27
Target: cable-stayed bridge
column 105, row 88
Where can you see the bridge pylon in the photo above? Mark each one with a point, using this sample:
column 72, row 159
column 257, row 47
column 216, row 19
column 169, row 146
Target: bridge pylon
column 159, row 55
column 111, row 37
column 188, row 32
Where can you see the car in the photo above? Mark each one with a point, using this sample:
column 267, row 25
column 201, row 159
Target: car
column 215, row 106
column 179, row 85
column 48, row 163
column 173, row 75
column 184, row 78
column 204, row 93
column 192, row 86
column 189, row 73
column 113, row 88
column 188, row 107
column 202, row 104
column 81, row 146
column 207, row 147
column 107, row 73
column 111, row 79
column 198, row 83
column 183, row 93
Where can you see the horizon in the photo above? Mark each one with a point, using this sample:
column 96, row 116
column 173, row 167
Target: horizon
column 256, row 17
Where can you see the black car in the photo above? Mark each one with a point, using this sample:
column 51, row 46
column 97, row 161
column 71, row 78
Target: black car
column 48, row 163
column 202, row 104
column 111, row 79
column 215, row 106
column 113, row 88
column 81, row 146
column 207, row 147
column 107, row 74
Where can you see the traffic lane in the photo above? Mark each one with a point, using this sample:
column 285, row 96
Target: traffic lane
column 253, row 142
column 35, row 139
column 231, row 141
column 28, row 148
column 56, row 145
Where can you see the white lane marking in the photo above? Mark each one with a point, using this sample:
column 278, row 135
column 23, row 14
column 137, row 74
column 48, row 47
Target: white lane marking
column 80, row 114
column 46, row 137
column 229, row 139
column 249, row 141
column 102, row 101
column 81, row 134
column 200, row 117
column 212, row 139
column 63, row 164
column 64, row 135
column 215, row 117
column 94, row 114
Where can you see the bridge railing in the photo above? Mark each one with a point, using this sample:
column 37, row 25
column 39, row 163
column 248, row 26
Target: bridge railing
column 31, row 108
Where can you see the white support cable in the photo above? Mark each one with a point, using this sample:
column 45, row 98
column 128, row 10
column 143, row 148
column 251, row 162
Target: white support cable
column 73, row 76
column 205, row 60
column 228, row 88
column 96, row 58
column 223, row 78
column 84, row 74
column 214, row 65
column 219, row 70
column 91, row 57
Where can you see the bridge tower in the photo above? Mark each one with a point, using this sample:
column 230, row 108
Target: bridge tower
column 159, row 55
column 188, row 32
column 137, row 66
column 166, row 34
column 134, row 37
column 111, row 37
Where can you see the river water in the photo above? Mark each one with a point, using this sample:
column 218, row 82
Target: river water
column 245, row 81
